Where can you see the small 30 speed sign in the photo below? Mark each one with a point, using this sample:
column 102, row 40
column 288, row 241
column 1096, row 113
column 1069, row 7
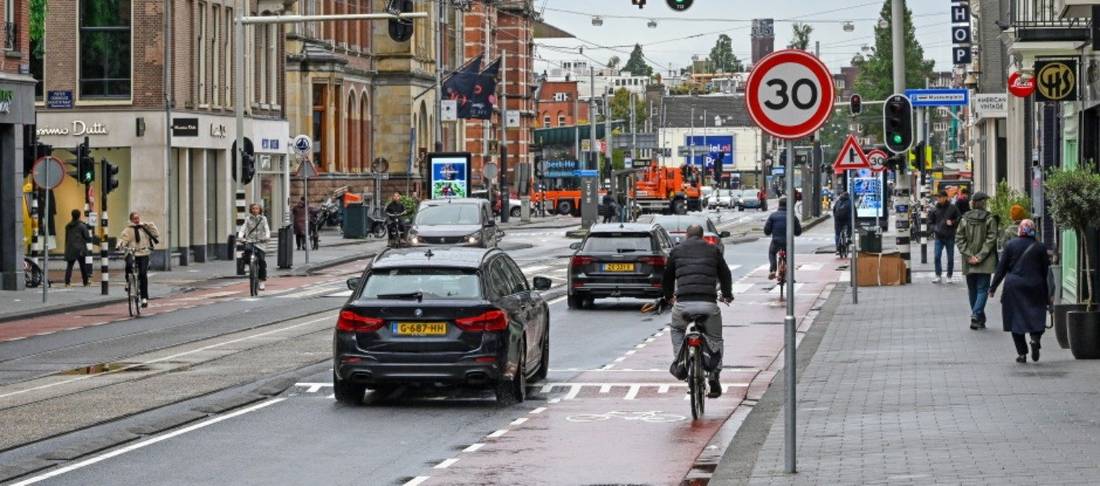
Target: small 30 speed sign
column 790, row 94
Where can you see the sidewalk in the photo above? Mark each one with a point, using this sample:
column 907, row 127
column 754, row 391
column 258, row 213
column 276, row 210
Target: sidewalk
column 334, row 250
column 898, row 390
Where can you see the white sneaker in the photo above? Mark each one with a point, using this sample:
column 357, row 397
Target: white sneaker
column 262, row 286
column 937, row 280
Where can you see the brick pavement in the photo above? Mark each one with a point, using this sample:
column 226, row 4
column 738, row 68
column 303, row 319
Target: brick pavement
column 901, row 391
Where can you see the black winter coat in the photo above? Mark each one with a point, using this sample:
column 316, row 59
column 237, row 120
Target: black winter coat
column 938, row 218
column 842, row 210
column 1026, row 295
column 776, row 227
column 694, row 271
column 77, row 237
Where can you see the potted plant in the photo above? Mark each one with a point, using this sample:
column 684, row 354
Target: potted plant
column 1075, row 204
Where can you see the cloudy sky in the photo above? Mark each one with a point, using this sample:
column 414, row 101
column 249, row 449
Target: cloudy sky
column 667, row 44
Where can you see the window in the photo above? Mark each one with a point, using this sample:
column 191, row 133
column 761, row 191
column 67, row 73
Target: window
column 215, row 65
column 200, row 53
column 546, row 121
column 561, row 120
column 105, row 49
column 561, row 96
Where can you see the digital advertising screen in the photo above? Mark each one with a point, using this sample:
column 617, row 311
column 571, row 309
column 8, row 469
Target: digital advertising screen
column 868, row 196
column 450, row 175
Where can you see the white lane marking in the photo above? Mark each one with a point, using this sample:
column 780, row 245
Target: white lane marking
column 473, row 447
column 632, row 351
column 632, row 393
column 573, row 391
column 497, row 433
column 554, row 400
column 314, row 387
column 639, row 346
column 740, row 288
column 15, row 339
column 559, row 299
column 332, row 396
column 810, row 266
column 605, row 388
column 733, row 268
column 662, row 389
column 607, row 366
column 417, row 480
column 47, row 333
column 446, row 464
column 538, row 410
column 536, row 268
column 518, row 421
column 148, row 442
column 167, row 358
column 775, row 290
column 620, row 359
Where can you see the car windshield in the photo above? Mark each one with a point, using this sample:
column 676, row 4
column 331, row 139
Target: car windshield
column 618, row 243
column 748, row 194
column 679, row 224
column 448, row 214
column 422, row 284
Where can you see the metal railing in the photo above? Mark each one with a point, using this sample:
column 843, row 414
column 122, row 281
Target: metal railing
column 1039, row 20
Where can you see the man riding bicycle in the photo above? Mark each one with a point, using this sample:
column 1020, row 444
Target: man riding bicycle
column 140, row 239
column 394, row 211
column 694, row 270
column 255, row 230
column 842, row 218
column 776, row 227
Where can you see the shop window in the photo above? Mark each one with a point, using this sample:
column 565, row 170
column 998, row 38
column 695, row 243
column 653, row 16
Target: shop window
column 105, row 67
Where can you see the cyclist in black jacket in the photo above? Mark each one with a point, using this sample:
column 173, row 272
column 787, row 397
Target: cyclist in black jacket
column 776, row 227
column 694, row 271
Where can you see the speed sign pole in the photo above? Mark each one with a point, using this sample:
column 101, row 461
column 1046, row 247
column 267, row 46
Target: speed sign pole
column 790, row 95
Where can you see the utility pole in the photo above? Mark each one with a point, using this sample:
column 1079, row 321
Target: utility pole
column 592, row 164
column 577, row 124
column 439, row 30
column 897, row 32
column 633, row 129
column 504, row 197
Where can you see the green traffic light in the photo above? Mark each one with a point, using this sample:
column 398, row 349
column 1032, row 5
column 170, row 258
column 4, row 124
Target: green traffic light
column 897, row 138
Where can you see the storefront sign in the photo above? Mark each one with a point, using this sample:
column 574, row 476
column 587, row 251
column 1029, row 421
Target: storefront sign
column 185, row 127
column 79, row 128
column 62, row 100
column 990, row 105
column 217, row 130
column 960, row 33
column 1019, row 86
column 1056, row 80
column 559, row 168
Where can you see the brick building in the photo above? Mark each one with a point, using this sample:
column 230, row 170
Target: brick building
column 17, row 90
column 559, row 105
column 149, row 83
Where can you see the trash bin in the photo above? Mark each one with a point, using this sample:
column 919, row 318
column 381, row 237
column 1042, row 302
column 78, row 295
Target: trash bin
column 356, row 223
column 286, row 247
column 870, row 240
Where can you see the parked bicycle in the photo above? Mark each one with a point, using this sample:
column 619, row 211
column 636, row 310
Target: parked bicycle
column 32, row 273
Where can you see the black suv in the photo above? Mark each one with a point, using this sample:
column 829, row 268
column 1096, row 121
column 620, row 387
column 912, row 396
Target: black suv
column 618, row 260
column 452, row 316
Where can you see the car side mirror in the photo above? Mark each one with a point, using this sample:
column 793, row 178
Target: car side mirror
column 575, row 246
column 724, row 234
column 353, row 283
column 542, row 283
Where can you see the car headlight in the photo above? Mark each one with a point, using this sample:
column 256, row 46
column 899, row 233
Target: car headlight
column 414, row 240
column 474, row 238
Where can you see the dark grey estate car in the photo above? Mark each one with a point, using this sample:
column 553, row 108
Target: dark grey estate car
column 618, row 260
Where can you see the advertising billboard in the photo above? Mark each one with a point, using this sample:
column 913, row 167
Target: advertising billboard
column 718, row 146
column 450, row 175
column 868, row 195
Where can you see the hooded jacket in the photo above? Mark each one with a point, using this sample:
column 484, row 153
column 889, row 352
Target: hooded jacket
column 977, row 236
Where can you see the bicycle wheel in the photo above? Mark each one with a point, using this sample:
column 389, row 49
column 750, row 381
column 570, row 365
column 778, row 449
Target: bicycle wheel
column 253, row 280
column 133, row 295
column 698, row 384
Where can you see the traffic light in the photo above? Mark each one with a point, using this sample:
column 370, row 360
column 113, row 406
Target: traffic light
column 110, row 176
column 248, row 161
column 856, row 104
column 400, row 30
column 897, row 123
column 85, row 164
column 639, row 3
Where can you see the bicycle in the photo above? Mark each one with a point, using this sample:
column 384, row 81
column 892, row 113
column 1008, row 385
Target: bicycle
column 250, row 249
column 696, row 369
column 845, row 243
column 133, row 291
column 781, row 272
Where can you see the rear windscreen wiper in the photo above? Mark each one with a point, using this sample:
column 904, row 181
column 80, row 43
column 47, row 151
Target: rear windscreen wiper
column 418, row 295
column 628, row 250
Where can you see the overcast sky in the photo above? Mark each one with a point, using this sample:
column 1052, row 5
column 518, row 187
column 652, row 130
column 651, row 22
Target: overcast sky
column 931, row 18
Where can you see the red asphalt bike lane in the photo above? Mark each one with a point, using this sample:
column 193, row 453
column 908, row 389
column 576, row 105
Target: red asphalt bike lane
column 237, row 290
column 629, row 422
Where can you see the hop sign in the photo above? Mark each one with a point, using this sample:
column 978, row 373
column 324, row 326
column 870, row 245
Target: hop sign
column 790, row 94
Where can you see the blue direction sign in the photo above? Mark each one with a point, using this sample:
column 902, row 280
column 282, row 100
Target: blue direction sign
column 585, row 173
column 939, row 97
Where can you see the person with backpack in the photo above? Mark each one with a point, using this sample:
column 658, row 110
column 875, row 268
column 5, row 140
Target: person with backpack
column 977, row 242
column 842, row 218
column 944, row 221
column 1024, row 270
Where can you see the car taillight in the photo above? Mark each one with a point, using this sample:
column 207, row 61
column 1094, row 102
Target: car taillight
column 352, row 322
column 656, row 261
column 580, row 261
column 493, row 320
column 713, row 240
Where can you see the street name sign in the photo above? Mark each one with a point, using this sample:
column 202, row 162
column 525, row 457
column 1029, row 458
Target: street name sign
column 790, row 94
column 939, row 97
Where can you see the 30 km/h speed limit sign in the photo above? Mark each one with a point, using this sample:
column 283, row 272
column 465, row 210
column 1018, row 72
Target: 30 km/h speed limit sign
column 790, row 94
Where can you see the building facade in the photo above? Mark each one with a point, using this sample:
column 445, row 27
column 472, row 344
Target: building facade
column 559, row 105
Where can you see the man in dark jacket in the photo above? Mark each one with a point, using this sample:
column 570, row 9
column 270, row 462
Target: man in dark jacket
column 944, row 220
column 842, row 218
column 77, row 239
column 695, row 269
column 776, row 227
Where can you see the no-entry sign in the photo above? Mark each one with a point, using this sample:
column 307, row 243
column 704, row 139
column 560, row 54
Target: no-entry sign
column 790, row 94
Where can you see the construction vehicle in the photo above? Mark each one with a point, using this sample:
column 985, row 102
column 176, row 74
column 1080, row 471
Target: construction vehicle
column 675, row 190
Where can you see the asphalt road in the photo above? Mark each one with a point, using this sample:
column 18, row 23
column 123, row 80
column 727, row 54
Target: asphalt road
column 300, row 435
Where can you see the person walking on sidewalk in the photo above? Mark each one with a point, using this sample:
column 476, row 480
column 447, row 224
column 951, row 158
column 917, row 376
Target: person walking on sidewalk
column 300, row 214
column 141, row 238
column 776, row 227
column 977, row 241
column 944, row 220
column 1018, row 214
column 77, row 238
column 1023, row 269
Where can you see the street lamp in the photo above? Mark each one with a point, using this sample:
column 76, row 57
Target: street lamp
column 597, row 21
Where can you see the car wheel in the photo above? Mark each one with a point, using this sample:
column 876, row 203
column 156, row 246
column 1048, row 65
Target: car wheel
column 740, row 208
column 565, row 208
column 575, row 302
column 544, row 362
column 346, row 392
column 588, row 302
column 515, row 212
column 514, row 391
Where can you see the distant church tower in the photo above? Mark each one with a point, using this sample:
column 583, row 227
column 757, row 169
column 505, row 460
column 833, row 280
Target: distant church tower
column 763, row 38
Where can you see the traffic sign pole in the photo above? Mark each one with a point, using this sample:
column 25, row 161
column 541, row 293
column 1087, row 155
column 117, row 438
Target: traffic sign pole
column 789, row 323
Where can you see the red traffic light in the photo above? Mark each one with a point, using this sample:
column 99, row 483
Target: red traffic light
column 855, row 104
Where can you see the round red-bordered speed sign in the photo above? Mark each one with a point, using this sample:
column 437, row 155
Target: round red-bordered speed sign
column 878, row 160
column 789, row 94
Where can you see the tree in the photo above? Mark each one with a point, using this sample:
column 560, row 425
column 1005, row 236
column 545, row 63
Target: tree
column 722, row 58
column 620, row 107
column 800, row 36
column 636, row 65
column 614, row 62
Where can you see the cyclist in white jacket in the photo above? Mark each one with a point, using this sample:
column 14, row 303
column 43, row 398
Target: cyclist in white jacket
column 255, row 230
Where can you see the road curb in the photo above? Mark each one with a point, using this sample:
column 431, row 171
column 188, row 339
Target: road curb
column 739, row 459
column 60, row 310
column 307, row 270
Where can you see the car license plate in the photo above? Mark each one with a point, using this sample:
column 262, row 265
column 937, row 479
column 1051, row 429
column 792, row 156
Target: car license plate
column 618, row 267
column 420, row 328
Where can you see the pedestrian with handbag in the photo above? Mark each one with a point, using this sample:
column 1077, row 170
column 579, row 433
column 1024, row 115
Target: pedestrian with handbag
column 1023, row 268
